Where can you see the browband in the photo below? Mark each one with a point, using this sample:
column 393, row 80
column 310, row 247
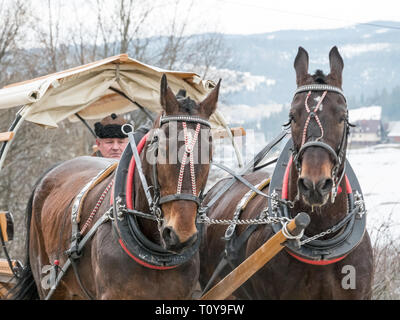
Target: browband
column 165, row 119
column 319, row 87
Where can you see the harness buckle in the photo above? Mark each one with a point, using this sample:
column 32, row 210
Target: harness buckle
column 202, row 214
column 121, row 209
column 360, row 204
column 73, row 252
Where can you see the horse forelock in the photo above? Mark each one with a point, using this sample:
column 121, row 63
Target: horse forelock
column 187, row 105
column 319, row 77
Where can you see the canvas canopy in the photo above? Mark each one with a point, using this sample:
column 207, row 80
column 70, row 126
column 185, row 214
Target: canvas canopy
column 86, row 90
column 90, row 91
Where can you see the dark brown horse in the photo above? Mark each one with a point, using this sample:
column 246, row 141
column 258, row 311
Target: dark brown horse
column 108, row 267
column 319, row 127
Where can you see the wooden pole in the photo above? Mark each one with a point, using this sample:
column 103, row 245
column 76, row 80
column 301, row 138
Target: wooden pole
column 257, row 260
column 6, row 136
column 3, row 226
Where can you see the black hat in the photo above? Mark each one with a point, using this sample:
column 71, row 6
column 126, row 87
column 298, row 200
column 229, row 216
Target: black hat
column 110, row 127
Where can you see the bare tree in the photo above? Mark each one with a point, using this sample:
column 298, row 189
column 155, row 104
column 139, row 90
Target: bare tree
column 50, row 32
column 12, row 19
column 121, row 26
column 82, row 37
column 173, row 44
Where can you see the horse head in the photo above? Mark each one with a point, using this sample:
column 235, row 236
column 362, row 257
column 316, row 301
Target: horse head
column 319, row 127
column 182, row 163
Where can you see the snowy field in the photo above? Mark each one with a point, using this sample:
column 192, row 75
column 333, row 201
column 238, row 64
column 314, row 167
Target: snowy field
column 378, row 171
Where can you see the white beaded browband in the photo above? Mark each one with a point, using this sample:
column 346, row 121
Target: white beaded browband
column 165, row 119
column 319, row 87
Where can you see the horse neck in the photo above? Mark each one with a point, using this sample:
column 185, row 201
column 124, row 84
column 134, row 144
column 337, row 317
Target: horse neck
column 324, row 217
column 148, row 227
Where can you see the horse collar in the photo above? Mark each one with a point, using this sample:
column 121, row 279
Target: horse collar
column 315, row 251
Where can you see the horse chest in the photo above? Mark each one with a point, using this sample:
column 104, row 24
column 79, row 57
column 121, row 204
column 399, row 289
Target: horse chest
column 126, row 278
column 286, row 278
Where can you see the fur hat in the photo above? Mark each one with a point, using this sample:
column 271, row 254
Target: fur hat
column 110, row 127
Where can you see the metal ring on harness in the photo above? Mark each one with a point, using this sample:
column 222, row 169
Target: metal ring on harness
column 288, row 235
column 127, row 125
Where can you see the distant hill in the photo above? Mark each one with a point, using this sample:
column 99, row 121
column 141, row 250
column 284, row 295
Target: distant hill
column 371, row 56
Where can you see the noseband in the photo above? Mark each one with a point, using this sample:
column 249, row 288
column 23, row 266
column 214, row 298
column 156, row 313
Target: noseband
column 338, row 157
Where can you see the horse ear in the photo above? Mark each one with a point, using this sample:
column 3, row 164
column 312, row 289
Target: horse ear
column 301, row 66
column 209, row 104
column 167, row 98
column 336, row 64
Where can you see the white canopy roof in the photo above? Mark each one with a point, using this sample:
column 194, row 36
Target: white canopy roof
column 85, row 90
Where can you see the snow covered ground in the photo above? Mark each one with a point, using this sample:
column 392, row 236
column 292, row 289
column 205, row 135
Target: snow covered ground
column 378, row 171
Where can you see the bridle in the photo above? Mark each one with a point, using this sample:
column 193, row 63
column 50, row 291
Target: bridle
column 156, row 200
column 141, row 249
column 190, row 142
column 337, row 156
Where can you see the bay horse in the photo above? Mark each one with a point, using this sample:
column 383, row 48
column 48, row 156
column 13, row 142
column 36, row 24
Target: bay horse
column 118, row 261
column 315, row 184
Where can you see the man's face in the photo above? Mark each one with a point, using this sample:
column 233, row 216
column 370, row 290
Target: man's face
column 111, row 147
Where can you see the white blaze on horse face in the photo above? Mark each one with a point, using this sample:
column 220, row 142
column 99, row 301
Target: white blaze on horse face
column 316, row 99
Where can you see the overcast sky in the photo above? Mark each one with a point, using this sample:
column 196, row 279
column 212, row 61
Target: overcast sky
column 251, row 16
column 260, row 16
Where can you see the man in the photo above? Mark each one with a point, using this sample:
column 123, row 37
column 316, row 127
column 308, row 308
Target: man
column 111, row 142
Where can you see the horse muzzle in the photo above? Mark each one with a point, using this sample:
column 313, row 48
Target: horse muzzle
column 315, row 193
column 172, row 242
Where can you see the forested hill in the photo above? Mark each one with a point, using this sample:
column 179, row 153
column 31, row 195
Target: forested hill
column 370, row 52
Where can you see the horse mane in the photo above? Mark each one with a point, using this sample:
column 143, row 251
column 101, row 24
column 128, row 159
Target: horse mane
column 319, row 77
column 185, row 103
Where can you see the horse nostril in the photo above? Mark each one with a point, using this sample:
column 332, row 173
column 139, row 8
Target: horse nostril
column 325, row 185
column 305, row 184
column 170, row 238
column 168, row 235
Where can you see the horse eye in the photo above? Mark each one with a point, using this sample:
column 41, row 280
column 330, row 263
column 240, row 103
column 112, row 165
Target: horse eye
column 287, row 124
column 343, row 118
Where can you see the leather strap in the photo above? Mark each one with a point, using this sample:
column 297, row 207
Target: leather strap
column 179, row 196
column 319, row 87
